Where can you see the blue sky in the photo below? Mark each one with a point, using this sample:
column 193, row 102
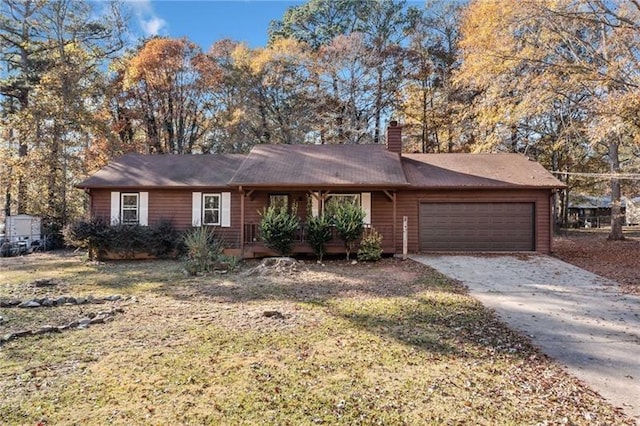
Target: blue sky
column 205, row 22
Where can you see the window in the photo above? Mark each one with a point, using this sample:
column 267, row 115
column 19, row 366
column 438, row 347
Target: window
column 344, row 198
column 129, row 208
column 279, row 200
column 211, row 209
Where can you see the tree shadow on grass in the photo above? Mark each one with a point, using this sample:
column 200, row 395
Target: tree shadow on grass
column 420, row 308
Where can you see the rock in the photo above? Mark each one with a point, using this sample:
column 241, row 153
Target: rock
column 45, row 282
column 98, row 319
column 72, row 324
column 9, row 303
column 47, row 329
column 60, row 300
column 29, row 304
column 354, row 262
column 84, row 321
column 81, row 300
column 1, row 320
column 273, row 314
column 112, row 298
column 47, row 302
column 91, row 315
column 7, row 337
column 63, row 328
column 21, row 333
column 71, row 301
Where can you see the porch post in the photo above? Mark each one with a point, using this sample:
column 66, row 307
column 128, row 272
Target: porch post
column 395, row 224
column 241, row 223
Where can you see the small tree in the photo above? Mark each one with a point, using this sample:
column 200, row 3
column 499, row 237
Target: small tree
column 203, row 250
column 318, row 234
column 348, row 219
column 371, row 246
column 278, row 227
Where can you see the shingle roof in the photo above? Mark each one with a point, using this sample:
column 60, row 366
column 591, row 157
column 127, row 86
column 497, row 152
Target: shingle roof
column 136, row 170
column 308, row 166
column 314, row 165
column 476, row 171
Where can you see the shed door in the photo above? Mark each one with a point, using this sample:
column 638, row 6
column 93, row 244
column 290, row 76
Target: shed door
column 477, row 226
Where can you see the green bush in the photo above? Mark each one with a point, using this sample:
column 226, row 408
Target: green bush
column 278, row 227
column 98, row 237
column 318, row 234
column 348, row 219
column 370, row 246
column 203, row 250
column 92, row 235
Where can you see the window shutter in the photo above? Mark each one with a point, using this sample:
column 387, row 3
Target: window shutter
column 225, row 210
column 143, row 218
column 115, row 208
column 315, row 205
column 365, row 200
column 196, row 208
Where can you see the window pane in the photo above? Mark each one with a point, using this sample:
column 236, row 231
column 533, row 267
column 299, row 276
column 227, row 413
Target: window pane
column 211, row 201
column 130, row 216
column 130, row 200
column 211, row 217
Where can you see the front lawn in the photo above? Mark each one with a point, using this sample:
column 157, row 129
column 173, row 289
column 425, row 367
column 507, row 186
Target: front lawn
column 389, row 343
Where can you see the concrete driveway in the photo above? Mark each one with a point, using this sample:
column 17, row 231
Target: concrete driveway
column 574, row 316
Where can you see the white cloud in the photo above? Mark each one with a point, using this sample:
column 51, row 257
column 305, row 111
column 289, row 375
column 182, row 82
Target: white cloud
column 150, row 23
column 152, row 26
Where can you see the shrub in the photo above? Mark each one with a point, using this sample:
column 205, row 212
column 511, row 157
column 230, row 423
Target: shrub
column 278, row 227
column 98, row 237
column 318, row 234
column 165, row 239
column 203, row 250
column 348, row 219
column 370, row 246
column 92, row 235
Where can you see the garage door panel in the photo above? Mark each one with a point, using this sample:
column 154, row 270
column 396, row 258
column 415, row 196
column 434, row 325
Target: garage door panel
column 477, row 226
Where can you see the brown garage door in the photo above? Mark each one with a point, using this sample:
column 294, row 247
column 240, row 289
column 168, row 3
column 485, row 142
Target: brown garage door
column 477, row 226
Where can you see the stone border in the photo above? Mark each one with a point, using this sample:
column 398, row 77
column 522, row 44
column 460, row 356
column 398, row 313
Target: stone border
column 58, row 301
column 90, row 319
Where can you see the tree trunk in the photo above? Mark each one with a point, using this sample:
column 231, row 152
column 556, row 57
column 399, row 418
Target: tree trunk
column 378, row 113
column 616, row 208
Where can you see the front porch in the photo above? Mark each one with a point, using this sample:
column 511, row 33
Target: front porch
column 255, row 247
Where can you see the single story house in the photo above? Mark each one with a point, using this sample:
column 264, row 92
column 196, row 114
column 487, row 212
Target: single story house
column 452, row 202
column 588, row 211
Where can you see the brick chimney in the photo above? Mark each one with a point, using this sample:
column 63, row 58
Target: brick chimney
column 394, row 137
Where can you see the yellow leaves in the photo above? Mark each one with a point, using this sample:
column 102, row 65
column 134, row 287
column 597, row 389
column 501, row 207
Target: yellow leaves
column 241, row 56
column 158, row 61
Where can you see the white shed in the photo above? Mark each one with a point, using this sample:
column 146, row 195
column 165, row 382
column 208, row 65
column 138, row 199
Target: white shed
column 23, row 228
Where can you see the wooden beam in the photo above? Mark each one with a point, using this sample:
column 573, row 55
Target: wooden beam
column 395, row 219
column 242, row 195
column 390, row 195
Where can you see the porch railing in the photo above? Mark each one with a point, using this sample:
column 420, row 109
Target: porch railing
column 252, row 235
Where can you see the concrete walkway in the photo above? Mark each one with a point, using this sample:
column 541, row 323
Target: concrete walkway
column 574, row 316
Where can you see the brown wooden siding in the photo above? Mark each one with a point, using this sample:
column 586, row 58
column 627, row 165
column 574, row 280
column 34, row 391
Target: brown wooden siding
column 409, row 202
column 173, row 205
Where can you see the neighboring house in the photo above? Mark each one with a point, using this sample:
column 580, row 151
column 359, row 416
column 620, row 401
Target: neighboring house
column 453, row 202
column 595, row 211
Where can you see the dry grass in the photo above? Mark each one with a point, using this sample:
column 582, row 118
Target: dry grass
column 391, row 343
